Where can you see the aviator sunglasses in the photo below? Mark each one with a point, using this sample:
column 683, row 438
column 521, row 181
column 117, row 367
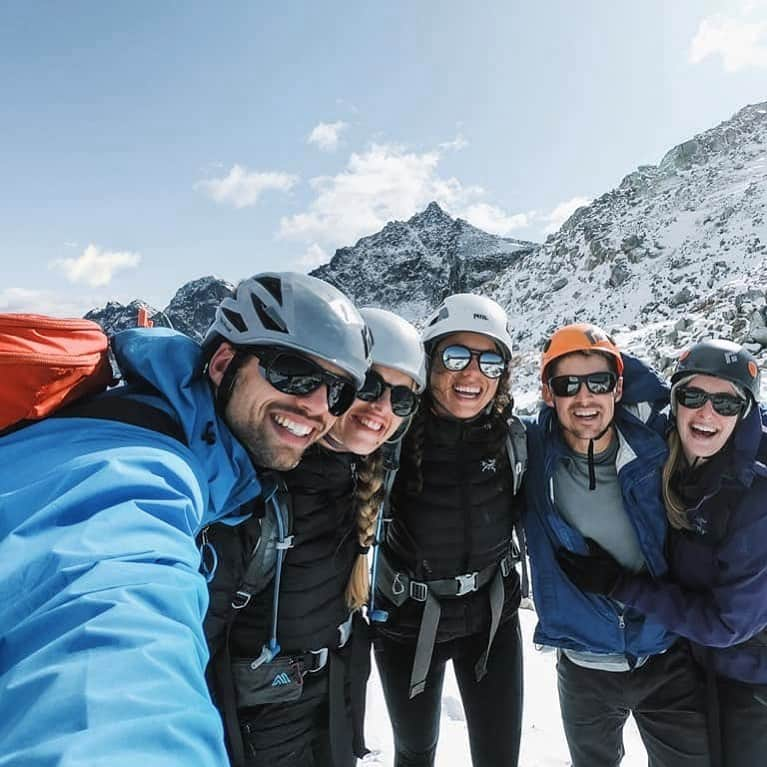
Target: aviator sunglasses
column 404, row 401
column 597, row 383
column 723, row 403
column 292, row 373
column 458, row 357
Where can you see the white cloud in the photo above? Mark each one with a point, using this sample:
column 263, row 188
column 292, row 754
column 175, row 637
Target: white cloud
column 383, row 183
column 313, row 257
column 327, row 135
column 458, row 143
column 494, row 220
column 242, row 188
column 43, row 302
column 742, row 44
column 562, row 212
column 95, row 267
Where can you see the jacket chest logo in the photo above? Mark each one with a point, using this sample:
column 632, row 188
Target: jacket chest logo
column 489, row 465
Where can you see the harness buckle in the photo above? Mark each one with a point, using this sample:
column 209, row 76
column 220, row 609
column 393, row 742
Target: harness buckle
column 506, row 564
column 321, row 660
column 241, row 599
column 418, row 591
column 466, row 583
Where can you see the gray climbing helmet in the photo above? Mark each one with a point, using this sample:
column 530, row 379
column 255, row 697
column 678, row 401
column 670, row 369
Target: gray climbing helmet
column 295, row 311
column 467, row 312
column 396, row 344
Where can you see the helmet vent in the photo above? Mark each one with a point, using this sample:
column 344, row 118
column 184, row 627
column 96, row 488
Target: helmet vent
column 268, row 315
column 235, row 319
column 274, row 286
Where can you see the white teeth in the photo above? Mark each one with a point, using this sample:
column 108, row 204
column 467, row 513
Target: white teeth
column 467, row 389
column 292, row 426
column 704, row 429
column 585, row 413
column 374, row 425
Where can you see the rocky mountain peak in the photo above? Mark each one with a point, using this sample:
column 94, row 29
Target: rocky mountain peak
column 409, row 266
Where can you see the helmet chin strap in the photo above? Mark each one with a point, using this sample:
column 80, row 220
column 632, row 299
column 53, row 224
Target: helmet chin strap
column 226, row 387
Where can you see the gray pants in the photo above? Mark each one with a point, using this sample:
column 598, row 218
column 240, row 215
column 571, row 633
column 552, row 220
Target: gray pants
column 666, row 696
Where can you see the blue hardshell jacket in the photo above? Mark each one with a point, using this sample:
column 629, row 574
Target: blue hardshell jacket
column 102, row 653
column 568, row 617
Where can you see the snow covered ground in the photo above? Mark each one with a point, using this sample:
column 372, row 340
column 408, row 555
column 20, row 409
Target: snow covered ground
column 543, row 742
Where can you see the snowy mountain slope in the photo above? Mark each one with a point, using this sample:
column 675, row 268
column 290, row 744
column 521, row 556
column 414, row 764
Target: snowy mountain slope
column 657, row 247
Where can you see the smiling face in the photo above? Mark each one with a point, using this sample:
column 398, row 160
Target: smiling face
column 465, row 393
column 585, row 416
column 702, row 431
column 365, row 426
column 274, row 428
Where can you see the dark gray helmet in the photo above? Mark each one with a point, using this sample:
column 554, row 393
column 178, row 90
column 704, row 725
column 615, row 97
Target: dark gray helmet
column 722, row 359
column 396, row 344
column 295, row 311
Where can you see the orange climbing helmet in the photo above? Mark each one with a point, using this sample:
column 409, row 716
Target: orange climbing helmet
column 579, row 337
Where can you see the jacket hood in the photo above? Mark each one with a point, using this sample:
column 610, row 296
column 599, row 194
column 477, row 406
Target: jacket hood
column 171, row 363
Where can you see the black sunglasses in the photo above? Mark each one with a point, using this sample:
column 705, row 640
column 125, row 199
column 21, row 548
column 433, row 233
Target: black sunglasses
column 723, row 403
column 458, row 357
column 404, row 401
column 597, row 383
column 292, row 373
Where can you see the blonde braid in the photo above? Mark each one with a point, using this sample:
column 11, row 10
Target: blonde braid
column 369, row 496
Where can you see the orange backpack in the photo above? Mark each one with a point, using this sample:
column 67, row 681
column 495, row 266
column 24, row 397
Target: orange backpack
column 47, row 363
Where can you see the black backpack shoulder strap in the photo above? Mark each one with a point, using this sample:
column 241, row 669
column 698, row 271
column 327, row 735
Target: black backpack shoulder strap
column 125, row 409
column 516, row 448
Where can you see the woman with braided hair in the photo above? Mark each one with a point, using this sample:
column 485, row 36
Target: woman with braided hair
column 446, row 574
column 308, row 711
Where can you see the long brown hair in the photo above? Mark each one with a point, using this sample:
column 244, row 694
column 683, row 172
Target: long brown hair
column 675, row 508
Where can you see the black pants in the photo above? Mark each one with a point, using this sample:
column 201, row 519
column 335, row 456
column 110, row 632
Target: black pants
column 493, row 706
column 743, row 723
column 666, row 695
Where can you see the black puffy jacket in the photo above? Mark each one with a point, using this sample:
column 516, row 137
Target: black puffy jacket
column 460, row 521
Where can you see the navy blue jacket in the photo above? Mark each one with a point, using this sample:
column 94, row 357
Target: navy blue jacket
column 567, row 617
column 716, row 593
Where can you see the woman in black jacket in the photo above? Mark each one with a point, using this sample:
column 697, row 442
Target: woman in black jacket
column 446, row 574
column 303, row 707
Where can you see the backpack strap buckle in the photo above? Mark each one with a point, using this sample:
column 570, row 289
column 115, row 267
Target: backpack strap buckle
column 467, row 582
column 319, row 658
column 418, row 591
column 241, row 599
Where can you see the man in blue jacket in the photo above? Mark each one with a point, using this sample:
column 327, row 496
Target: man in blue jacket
column 593, row 481
column 102, row 654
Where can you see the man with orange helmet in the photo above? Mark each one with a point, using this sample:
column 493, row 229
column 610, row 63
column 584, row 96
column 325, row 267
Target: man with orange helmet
column 593, row 486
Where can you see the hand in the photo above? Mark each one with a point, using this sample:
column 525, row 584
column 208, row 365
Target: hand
column 597, row 572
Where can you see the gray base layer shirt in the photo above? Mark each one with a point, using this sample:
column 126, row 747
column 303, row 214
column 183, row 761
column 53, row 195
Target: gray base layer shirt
column 598, row 514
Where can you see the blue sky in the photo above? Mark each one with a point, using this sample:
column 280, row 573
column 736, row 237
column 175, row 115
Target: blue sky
column 144, row 144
